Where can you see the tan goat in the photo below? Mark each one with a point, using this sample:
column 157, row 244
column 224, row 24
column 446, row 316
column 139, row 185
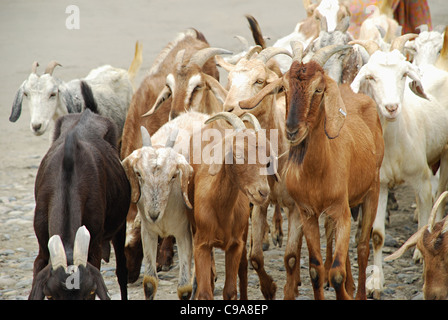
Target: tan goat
column 220, row 216
column 190, row 42
column 336, row 150
column 250, row 75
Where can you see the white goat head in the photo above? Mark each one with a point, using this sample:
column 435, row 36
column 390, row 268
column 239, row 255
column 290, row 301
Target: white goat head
column 156, row 173
column 249, row 75
column 384, row 76
column 427, row 46
column 331, row 12
column 43, row 95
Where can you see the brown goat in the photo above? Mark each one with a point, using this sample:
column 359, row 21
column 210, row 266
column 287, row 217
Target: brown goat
column 190, row 42
column 432, row 242
column 220, row 216
column 336, row 150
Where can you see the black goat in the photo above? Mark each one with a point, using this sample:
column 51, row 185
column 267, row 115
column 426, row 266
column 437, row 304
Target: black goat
column 81, row 192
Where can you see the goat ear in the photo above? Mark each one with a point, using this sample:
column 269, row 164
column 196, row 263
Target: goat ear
column 185, row 171
column 415, row 85
column 37, row 289
column 335, row 111
column 217, row 89
column 101, row 289
column 356, row 83
column 17, row 104
column 268, row 89
column 411, row 242
column 128, row 165
column 161, row 98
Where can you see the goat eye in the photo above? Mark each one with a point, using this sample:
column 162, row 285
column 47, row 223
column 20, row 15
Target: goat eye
column 92, row 292
column 370, row 77
column 49, row 297
column 319, row 90
column 138, row 174
column 52, row 95
column 405, row 75
column 259, row 81
column 25, row 94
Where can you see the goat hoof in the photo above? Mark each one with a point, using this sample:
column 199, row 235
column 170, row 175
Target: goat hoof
column 149, row 287
column 184, row 292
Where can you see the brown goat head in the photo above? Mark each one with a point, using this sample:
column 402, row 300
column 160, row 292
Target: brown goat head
column 311, row 96
column 190, row 87
column 432, row 242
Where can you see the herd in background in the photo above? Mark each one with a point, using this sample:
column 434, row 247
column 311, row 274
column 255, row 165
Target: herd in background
column 354, row 117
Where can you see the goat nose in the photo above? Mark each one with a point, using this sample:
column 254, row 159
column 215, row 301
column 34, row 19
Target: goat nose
column 290, row 134
column 263, row 192
column 391, row 107
column 36, row 126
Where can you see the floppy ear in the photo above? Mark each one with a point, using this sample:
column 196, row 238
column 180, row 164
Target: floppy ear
column 163, row 95
column 17, row 104
column 217, row 89
column 101, row 289
column 356, row 83
column 185, row 171
column 37, row 289
column 128, row 165
column 335, row 111
column 268, row 89
column 416, row 84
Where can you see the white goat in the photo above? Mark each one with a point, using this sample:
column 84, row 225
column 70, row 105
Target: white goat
column 159, row 181
column 414, row 130
column 49, row 97
column 331, row 12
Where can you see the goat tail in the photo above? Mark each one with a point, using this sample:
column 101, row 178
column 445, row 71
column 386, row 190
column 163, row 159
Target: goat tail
column 87, row 95
column 68, row 162
column 256, row 31
column 136, row 63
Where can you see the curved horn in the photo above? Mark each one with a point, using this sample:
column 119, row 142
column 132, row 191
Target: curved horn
column 50, row 67
column 268, row 53
column 57, row 252
column 203, row 55
column 252, row 119
column 231, row 118
column 297, row 50
column 243, row 41
column 399, row 42
column 34, row 67
column 81, row 247
column 252, row 51
column 370, row 45
column 432, row 216
column 146, row 138
column 172, row 138
column 323, row 54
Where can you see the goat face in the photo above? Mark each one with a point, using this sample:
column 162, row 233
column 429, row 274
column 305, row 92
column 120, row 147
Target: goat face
column 384, row 78
column 244, row 157
column 155, row 174
column 434, row 248
column 245, row 80
column 42, row 96
column 331, row 12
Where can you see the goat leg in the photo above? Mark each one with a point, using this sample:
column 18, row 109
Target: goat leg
column 267, row 285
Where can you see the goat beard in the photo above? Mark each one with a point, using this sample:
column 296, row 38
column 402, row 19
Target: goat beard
column 297, row 152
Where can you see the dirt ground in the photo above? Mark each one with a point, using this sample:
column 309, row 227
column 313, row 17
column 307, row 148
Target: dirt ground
column 36, row 30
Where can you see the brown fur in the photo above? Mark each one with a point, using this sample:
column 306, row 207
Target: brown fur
column 220, row 218
column 142, row 100
column 338, row 169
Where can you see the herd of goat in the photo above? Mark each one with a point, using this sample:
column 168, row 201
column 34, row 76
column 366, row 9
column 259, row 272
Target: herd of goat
column 340, row 122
